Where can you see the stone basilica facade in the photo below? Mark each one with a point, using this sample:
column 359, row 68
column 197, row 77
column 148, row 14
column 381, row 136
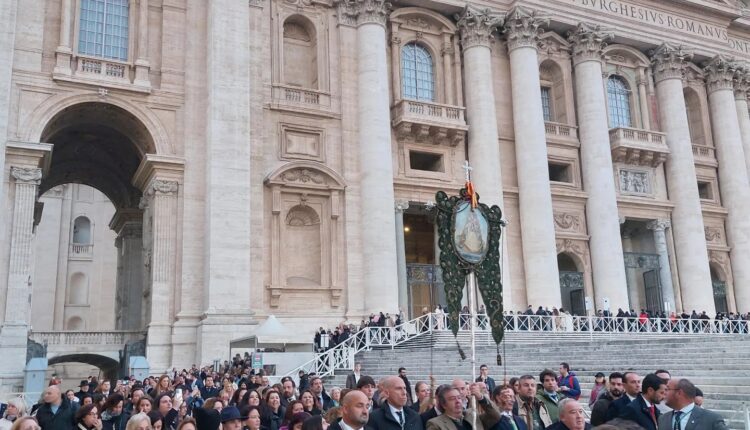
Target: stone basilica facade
column 281, row 157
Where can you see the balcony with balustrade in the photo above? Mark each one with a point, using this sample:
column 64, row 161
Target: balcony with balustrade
column 638, row 147
column 288, row 97
column 561, row 133
column 103, row 72
column 704, row 155
column 81, row 251
column 429, row 122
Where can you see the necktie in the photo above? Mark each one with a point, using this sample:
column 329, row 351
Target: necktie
column 512, row 422
column 400, row 418
column 652, row 410
column 677, row 418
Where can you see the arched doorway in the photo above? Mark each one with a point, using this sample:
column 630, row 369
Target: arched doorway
column 101, row 146
column 79, row 366
column 571, row 285
column 719, row 283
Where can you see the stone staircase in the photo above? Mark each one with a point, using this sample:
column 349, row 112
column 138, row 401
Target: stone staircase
column 718, row 364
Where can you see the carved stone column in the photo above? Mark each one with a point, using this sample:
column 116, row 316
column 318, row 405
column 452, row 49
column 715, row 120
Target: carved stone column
column 665, row 274
column 142, row 65
column 669, row 62
column 596, row 161
column 64, row 51
column 627, row 246
column 403, row 287
column 17, row 304
column 128, row 224
column 741, row 87
column 477, row 28
column 522, row 27
column 162, row 200
column 380, row 272
column 733, row 176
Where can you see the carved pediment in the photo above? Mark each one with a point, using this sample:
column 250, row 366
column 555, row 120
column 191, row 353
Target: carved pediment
column 306, row 174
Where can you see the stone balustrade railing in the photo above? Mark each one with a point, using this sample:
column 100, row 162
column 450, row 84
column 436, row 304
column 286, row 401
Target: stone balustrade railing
column 705, row 152
column 81, row 248
column 559, row 129
column 446, row 115
column 84, row 337
column 637, row 146
column 111, row 69
column 285, row 94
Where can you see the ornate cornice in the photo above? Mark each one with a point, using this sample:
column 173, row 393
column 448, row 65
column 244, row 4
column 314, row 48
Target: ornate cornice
column 477, row 26
column 522, row 27
column 162, row 187
column 588, row 41
column 358, row 12
column 670, row 61
column 720, row 72
column 31, row 176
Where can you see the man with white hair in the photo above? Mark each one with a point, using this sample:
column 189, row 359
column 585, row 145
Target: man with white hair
column 572, row 416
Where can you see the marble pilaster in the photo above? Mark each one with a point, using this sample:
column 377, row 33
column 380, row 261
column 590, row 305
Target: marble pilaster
column 403, row 287
column 64, row 51
column 630, row 276
column 477, row 28
column 142, row 65
column 522, row 27
column 128, row 224
column 380, row 270
column 588, row 41
column 659, row 227
column 733, row 176
column 669, row 62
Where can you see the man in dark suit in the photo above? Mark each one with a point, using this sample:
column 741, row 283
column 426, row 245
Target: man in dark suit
column 632, row 385
column 393, row 415
column 353, row 378
column 685, row 415
column 354, row 412
column 643, row 410
column 572, row 416
column 505, row 402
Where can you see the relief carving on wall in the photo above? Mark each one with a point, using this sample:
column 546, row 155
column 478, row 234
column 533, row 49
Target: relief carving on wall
column 567, row 222
column 713, row 234
column 304, row 176
column 634, row 181
column 572, row 247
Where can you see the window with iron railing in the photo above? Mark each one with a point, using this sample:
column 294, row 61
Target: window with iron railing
column 618, row 97
column 103, row 29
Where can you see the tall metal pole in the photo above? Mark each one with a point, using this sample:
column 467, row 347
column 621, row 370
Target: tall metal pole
column 472, row 281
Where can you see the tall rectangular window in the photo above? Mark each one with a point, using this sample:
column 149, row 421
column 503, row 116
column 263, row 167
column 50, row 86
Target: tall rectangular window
column 104, row 29
column 546, row 105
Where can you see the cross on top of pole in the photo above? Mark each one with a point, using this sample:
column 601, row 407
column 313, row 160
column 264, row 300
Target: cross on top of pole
column 467, row 168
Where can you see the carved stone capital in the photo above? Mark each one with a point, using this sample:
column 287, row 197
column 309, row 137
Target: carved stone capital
column 160, row 187
column 658, row 225
column 742, row 82
column 447, row 49
column 522, row 27
column 588, row 41
column 31, row 176
column 477, row 26
column 358, row 12
column 401, row 205
column 669, row 61
column 720, row 72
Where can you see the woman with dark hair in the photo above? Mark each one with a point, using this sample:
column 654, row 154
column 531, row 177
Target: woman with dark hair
column 157, row 421
column 310, row 403
column 169, row 409
column 315, row 423
column 272, row 412
column 238, row 396
column 253, row 421
column 294, row 407
column 298, row 420
column 87, row 418
column 114, row 416
column 98, row 399
column 251, row 398
column 162, row 387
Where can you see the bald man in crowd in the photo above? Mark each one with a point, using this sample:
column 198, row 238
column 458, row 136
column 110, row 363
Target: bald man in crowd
column 354, row 412
column 56, row 413
column 393, row 415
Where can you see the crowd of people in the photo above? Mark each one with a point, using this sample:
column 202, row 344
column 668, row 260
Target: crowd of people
column 233, row 396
